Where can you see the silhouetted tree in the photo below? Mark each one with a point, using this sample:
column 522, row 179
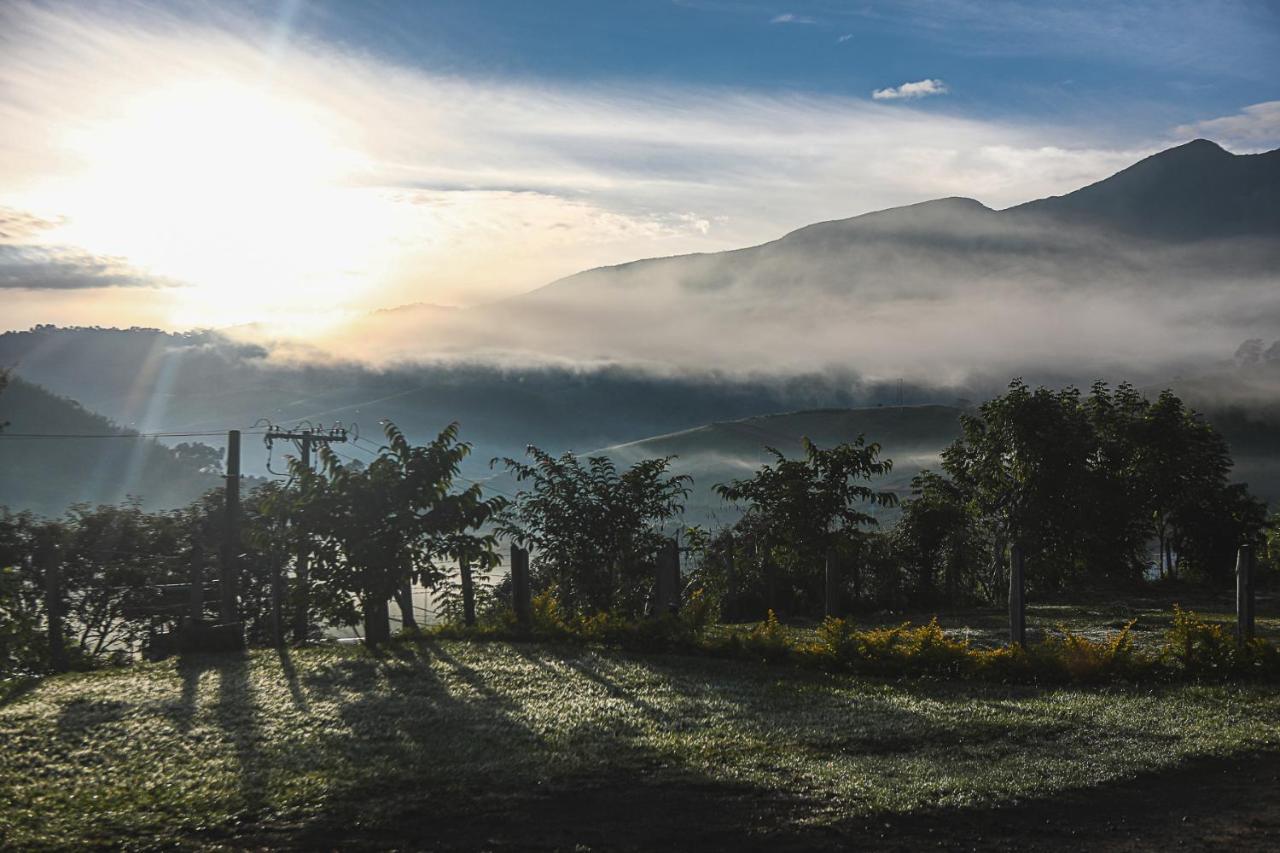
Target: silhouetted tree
column 796, row 510
column 593, row 531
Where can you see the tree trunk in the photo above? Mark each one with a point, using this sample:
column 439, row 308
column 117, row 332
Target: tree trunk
column 377, row 621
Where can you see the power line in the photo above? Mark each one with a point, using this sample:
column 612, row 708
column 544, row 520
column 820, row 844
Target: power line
column 73, row 435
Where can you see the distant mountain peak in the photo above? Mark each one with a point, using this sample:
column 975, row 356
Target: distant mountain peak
column 1197, row 190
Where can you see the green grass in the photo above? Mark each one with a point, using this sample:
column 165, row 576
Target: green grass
column 333, row 739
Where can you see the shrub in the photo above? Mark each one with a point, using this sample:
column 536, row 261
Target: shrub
column 767, row 640
column 1077, row 658
column 1208, row 650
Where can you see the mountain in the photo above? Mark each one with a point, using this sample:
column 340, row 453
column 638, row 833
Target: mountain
column 47, row 475
column 1197, row 191
column 1148, row 273
column 1149, row 276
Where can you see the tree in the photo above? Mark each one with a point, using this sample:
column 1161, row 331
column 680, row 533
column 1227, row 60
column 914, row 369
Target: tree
column 796, row 510
column 23, row 643
column 593, row 531
column 375, row 528
column 932, row 535
column 1084, row 484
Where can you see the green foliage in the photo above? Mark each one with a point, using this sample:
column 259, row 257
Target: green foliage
column 1209, row 650
column 1192, row 649
column 593, row 530
column 374, row 528
column 1084, row 484
column 797, row 511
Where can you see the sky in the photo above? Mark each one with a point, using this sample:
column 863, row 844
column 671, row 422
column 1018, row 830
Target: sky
column 294, row 163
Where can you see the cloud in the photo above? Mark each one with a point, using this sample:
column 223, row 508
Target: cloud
column 844, row 38
column 20, row 225
column 1256, row 127
column 789, row 18
column 27, row 267
column 918, row 89
column 437, row 188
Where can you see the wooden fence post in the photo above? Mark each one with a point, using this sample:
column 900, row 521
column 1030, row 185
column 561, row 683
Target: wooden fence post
column 666, row 587
column 468, row 592
column 197, row 581
column 53, row 605
column 1017, row 601
column 729, row 611
column 831, row 607
column 1244, row 593
column 229, row 579
column 521, row 592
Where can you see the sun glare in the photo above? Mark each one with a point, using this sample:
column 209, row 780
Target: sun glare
column 244, row 198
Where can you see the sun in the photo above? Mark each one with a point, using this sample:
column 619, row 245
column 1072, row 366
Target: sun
column 246, row 199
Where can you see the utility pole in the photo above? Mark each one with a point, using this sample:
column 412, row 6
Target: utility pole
column 304, row 438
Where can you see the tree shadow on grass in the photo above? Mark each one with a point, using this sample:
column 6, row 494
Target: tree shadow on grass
column 291, row 677
column 447, row 755
column 237, row 715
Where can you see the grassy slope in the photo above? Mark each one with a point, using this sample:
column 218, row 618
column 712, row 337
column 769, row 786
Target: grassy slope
column 333, row 746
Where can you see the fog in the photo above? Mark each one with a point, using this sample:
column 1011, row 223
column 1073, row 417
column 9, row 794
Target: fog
column 943, row 294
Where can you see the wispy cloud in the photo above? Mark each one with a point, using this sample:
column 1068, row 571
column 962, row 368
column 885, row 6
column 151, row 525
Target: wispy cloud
column 789, row 18
column 405, row 186
column 1254, row 127
column 31, row 267
column 908, row 91
column 844, row 38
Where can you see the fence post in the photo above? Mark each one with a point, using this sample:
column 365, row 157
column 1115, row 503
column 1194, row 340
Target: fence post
column 228, row 582
column 729, row 612
column 832, row 602
column 468, row 592
column 197, row 581
column 1017, row 601
column 666, row 587
column 1244, row 593
column 521, row 594
column 53, row 605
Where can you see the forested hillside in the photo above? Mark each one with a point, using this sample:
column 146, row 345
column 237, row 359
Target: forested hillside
column 46, row 475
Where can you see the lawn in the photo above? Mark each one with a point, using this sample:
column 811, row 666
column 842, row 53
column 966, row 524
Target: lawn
column 445, row 745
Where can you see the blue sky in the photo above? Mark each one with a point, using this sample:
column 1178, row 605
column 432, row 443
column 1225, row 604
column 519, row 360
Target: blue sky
column 1139, row 65
column 159, row 158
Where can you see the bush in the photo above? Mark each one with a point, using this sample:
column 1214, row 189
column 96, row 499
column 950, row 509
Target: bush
column 1077, row 658
column 1193, row 648
column 1203, row 649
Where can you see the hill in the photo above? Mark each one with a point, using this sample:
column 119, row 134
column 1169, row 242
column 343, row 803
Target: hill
column 47, row 475
column 911, row 436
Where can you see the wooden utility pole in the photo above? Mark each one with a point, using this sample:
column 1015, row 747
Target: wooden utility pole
column 229, row 570
column 521, row 592
column 304, row 438
column 1244, row 593
column 1017, row 601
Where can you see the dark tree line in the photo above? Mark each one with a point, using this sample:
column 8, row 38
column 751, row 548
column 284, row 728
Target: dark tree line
column 1104, row 489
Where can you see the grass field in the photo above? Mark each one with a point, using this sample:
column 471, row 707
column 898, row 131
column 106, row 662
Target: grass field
column 446, row 745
